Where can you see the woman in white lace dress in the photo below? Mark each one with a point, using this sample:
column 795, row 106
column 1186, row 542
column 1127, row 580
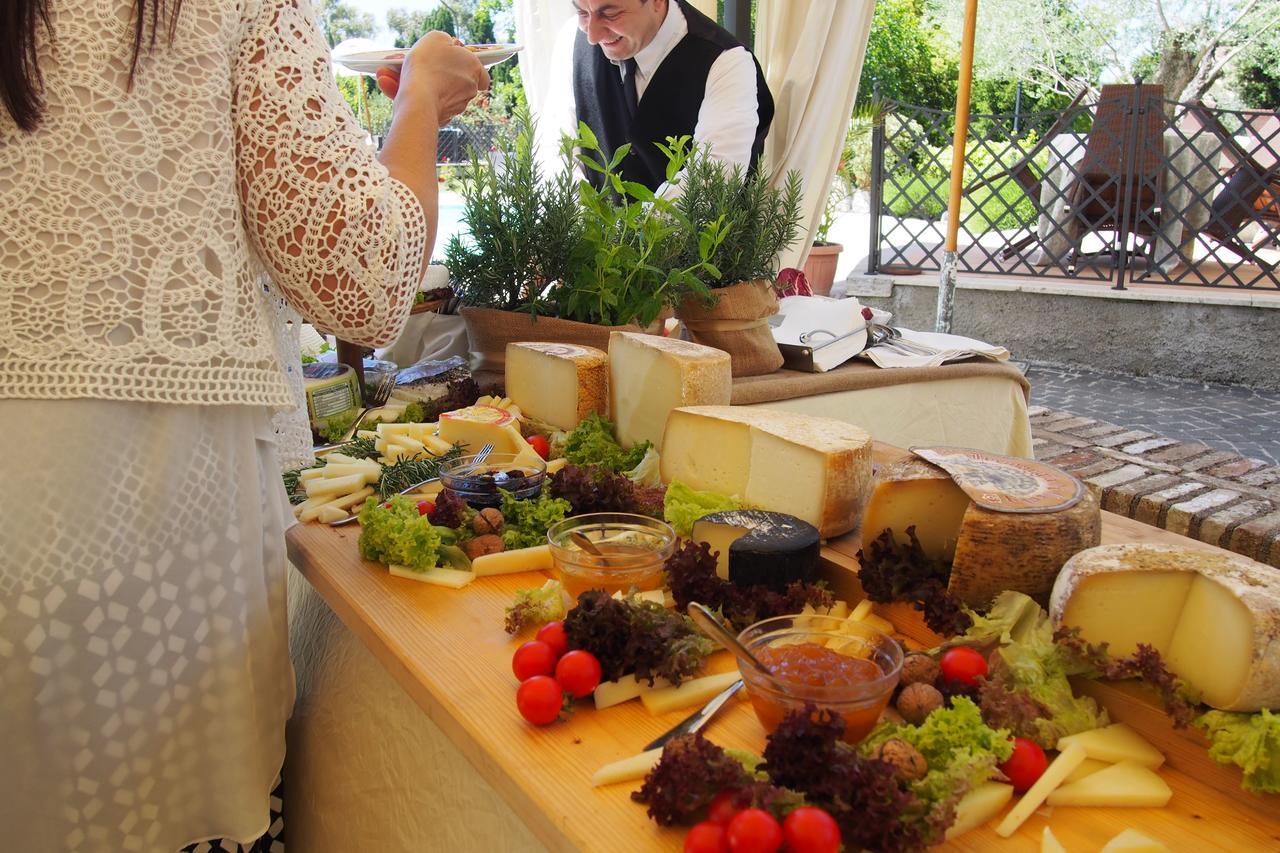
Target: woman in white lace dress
column 156, row 158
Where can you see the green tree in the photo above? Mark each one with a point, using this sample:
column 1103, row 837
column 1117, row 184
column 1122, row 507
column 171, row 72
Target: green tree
column 904, row 60
column 409, row 26
column 340, row 21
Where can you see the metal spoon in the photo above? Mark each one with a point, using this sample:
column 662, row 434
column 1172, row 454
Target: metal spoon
column 714, row 628
column 587, row 545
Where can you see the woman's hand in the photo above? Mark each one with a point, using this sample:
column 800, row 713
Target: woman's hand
column 437, row 70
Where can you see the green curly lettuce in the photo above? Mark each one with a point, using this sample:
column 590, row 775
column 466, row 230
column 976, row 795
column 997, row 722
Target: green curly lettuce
column 646, row 472
column 592, row 442
column 527, row 520
column 537, row 606
column 682, row 506
column 399, row 536
column 1251, row 741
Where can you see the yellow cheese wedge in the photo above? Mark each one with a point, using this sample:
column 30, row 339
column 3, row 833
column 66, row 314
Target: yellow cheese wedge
column 1214, row 617
column 687, row 694
column 817, row 469
column 979, row 806
column 1052, row 777
column 1132, row 841
column 476, row 426
column 535, row 559
column 558, row 384
column 649, row 375
column 627, row 769
column 1087, row 768
column 626, row 688
column 1123, row 784
column 555, row 465
column 1113, row 743
column 1049, row 843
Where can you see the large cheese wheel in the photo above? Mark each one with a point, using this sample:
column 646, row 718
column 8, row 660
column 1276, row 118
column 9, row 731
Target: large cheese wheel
column 559, row 384
column 817, row 469
column 650, row 375
column 753, row 546
column 1213, row 616
column 990, row 551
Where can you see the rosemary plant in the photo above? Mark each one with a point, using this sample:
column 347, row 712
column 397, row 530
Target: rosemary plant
column 406, row 472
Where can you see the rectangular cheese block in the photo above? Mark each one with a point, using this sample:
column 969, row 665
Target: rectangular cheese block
column 1214, row 617
column 558, row 384
column 650, row 375
column 817, row 469
column 1123, row 784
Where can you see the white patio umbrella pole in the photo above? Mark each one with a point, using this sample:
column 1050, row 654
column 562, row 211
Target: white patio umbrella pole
column 947, row 273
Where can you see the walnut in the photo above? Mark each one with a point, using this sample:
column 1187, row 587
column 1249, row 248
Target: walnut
column 905, row 758
column 919, row 669
column 488, row 520
column 917, row 701
column 481, row 545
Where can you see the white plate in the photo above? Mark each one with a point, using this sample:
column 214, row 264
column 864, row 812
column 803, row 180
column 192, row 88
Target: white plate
column 369, row 61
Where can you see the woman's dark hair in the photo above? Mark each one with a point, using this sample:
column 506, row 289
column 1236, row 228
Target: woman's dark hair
column 20, row 82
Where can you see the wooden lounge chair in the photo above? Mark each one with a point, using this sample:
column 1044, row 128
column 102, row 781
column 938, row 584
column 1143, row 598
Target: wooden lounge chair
column 1025, row 173
column 1123, row 158
column 1251, row 192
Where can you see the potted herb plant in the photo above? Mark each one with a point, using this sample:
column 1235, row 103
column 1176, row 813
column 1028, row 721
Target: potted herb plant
column 757, row 221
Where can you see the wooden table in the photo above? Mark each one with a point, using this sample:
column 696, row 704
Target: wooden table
column 448, row 651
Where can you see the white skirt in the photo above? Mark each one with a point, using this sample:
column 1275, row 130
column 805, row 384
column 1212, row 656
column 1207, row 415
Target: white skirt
column 144, row 668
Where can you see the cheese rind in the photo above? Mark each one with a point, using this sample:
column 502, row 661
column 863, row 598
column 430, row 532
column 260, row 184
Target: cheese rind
column 817, row 469
column 559, row 384
column 650, row 375
column 1219, row 631
column 753, row 547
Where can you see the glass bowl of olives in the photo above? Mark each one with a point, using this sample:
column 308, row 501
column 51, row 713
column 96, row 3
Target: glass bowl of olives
column 481, row 484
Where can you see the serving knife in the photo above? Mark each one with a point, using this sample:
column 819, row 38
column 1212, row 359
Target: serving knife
column 698, row 718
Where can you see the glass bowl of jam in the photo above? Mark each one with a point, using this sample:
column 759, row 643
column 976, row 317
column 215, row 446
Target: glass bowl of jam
column 633, row 551
column 481, row 485
column 845, row 668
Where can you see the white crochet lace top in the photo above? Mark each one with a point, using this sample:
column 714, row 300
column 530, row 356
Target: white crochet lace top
column 135, row 225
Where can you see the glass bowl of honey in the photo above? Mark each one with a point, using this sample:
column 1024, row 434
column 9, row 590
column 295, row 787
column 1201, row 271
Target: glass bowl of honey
column 839, row 666
column 633, row 551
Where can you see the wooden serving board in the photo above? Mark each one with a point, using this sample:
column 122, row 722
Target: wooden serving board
column 447, row 649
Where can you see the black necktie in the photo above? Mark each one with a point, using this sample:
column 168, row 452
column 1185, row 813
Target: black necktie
column 629, row 98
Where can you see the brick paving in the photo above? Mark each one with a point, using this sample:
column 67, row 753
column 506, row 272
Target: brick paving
column 1140, row 444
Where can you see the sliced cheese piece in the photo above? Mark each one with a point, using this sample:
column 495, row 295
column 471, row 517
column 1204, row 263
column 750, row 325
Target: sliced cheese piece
column 1087, row 768
column 1214, row 617
column 990, row 551
column 650, row 375
column 817, row 469
column 555, row 465
column 627, row 769
column 1123, row 784
column 1114, row 743
column 626, row 688
column 656, row 596
column 1052, row 777
column 559, row 384
column 689, row 693
column 1132, row 841
column 1049, row 843
column 753, row 547
column 452, row 578
column 328, row 514
column 979, row 806
column 334, row 486
column 862, row 610
column 535, row 559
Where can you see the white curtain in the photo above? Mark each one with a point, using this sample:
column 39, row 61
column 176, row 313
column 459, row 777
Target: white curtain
column 811, row 52
column 706, row 7
column 538, row 23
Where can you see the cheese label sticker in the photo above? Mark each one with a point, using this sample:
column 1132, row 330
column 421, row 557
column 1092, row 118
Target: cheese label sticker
column 1006, row 483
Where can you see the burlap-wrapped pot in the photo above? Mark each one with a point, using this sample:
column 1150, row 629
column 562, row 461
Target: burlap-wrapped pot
column 738, row 324
column 489, row 330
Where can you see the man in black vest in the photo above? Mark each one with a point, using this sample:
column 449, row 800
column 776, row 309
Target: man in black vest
column 644, row 70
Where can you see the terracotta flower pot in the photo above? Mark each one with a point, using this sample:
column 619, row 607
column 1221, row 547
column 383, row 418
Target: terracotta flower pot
column 489, row 330
column 738, row 324
column 820, row 267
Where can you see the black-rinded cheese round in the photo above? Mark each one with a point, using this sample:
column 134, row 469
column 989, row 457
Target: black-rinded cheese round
column 771, row 549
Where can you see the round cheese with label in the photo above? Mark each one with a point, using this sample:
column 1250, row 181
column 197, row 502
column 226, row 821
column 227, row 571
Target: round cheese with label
column 770, row 549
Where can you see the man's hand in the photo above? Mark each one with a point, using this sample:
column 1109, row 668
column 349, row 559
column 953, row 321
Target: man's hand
column 439, row 71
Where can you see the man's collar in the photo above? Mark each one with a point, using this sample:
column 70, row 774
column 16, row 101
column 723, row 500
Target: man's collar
column 674, row 27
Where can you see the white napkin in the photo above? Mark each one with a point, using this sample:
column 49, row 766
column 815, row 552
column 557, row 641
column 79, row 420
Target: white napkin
column 931, row 349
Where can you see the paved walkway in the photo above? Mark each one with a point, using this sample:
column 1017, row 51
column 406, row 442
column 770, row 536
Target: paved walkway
column 1195, row 459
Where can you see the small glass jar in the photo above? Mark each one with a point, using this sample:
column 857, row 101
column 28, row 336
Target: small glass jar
column 846, row 668
column 634, row 552
column 481, row 485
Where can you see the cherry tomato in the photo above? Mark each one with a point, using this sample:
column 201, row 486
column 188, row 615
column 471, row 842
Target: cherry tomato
column 426, row 507
column 578, row 672
column 1025, row 765
column 540, row 446
column 539, row 699
column 754, row 831
column 723, row 807
column 533, row 658
column 553, row 635
column 811, row 830
column 963, row 665
column 706, row 837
